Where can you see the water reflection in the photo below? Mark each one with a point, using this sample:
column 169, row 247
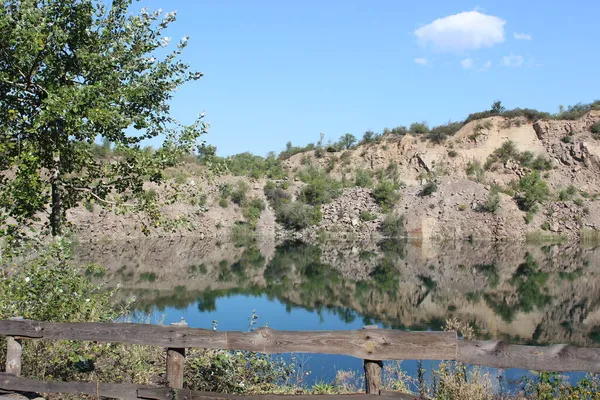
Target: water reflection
column 521, row 293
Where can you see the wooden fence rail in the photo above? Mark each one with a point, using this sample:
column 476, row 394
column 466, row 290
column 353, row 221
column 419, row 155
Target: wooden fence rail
column 372, row 345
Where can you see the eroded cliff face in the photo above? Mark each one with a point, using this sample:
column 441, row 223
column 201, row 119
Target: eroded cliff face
column 453, row 212
column 521, row 292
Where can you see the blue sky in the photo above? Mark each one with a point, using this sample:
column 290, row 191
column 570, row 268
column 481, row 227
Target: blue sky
column 278, row 70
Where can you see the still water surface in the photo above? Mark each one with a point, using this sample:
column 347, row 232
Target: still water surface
column 528, row 294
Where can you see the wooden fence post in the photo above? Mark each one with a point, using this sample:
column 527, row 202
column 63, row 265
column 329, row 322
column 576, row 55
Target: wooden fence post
column 373, row 371
column 14, row 350
column 176, row 362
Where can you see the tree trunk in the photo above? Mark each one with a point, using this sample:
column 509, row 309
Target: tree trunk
column 55, row 213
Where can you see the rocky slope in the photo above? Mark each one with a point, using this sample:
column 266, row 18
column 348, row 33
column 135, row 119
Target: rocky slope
column 452, row 212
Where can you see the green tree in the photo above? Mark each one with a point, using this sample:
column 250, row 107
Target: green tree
column 72, row 73
column 347, row 141
column 497, row 108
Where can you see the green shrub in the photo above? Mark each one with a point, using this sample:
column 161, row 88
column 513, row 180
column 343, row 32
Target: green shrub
column 462, row 207
column 418, row 128
column 492, row 203
column 386, row 194
column 428, row 189
column 393, row 226
column 363, row 179
column 238, row 196
column 298, row 216
column 567, row 139
column 439, row 133
column 347, row 141
column 367, row 216
column 595, row 129
column 368, row 137
column 252, row 211
column 568, row 193
column 508, row 151
column 531, row 190
column 578, row 110
column 276, row 196
column 578, row 202
column 223, row 202
column 225, row 190
column 291, row 150
column 475, row 171
column 452, row 153
column 399, row 131
column 320, row 188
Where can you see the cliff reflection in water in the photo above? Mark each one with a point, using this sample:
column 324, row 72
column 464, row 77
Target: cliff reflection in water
column 522, row 293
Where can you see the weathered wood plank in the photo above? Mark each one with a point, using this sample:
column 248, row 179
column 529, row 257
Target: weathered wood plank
column 373, row 371
column 162, row 393
column 135, row 392
column 118, row 391
column 539, row 358
column 381, row 344
column 14, row 351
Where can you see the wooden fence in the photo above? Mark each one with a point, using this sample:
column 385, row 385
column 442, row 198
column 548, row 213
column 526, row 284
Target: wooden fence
column 371, row 344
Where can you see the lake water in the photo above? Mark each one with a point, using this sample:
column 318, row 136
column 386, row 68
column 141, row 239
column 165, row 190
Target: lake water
column 527, row 294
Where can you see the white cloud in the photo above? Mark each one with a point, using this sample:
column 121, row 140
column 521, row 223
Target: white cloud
column 463, row 31
column 513, row 60
column 485, row 66
column 422, row 61
column 522, row 36
column 467, row 63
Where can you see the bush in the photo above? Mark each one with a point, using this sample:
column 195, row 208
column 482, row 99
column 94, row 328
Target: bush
column 508, row 151
column 367, row 216
column 595, row 129
column 386, row 195
column 368, row 137
column 275, row 195
column 347, row 141
column 223, row 202
column 492, row 203
column 475, row 170
column 238, row 196
column 393, row 226
column 428, row 189
column 452, row 153
column 320, row 188
column 578, row 110
column 418, row 128
column 441, row 132
column 252, row 211
column 531, row 190
column 568, row 193
column 399, row 131
column 363, row 179
column 298, row 216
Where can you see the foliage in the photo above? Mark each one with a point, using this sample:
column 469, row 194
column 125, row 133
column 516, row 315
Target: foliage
column 320, row 188
column 452, row 153
column 392, row 226
column 418, row 128
column 531, row 190
column 475, row 171
column 595, row 129
column 399, row 131
column 508, row 151
column 291, row 150
column 347, row 141
column 578, row 110
column 247, row 164
column 368, row 137
column 298, row 216
column 367, row 216
column 49, row 289
column 236, row 372
column 568, row 193
column 363, row 178
column 55, row 103
column 276, row 195
column 439, row 133
column 386, row 194
column 428, row 189
column 492, row 202
column 238, row 195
